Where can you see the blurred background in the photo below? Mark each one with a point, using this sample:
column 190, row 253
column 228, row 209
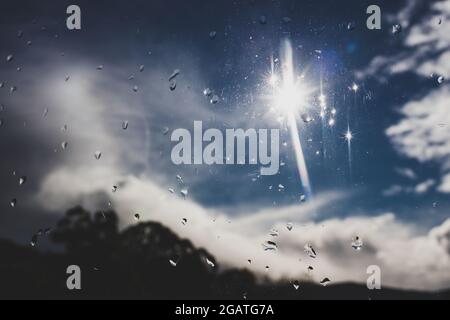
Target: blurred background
column 86, row 175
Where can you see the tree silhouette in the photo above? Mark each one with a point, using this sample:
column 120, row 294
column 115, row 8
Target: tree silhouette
column 146, row 261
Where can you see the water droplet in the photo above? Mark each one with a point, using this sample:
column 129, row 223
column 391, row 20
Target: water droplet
column 207, row 92
column 141, row 68
column 262, row 19
column 100, row 67
column 135, row 88
column 9, row 58
column 325, row 281
column 19, row 34
column 281, row 188
column 351, row 25
column 44, row 114
column 309, row 250
column 183, row 221
column 13, row 203
column 249, row 261
column 1, row 122
column 172, row 85
column 302, row 198
column 212, row 35
column 165, row 130
column 97, row 155
column 215, row 98
column 2, row 84
column 440, row 79
column 34, row 240
column 64, row 128
column 286, row 19
column 179, row 179
column 435, row 204
column 270, row 246
column 306, row 118
column 210, row 263
column 22, row 180
column 173, row 263
column 357, row 243
column 174, row 74
column 13, row 89
column 114, row 188
column 396, row 29
column 296, row 284
column 184, row 193
column 171, row 190
column 64, row 145
column 289, row 226
column 67, row 78
column 137, row 216
column 310, row 269
column 274, row 233
column 125, row 125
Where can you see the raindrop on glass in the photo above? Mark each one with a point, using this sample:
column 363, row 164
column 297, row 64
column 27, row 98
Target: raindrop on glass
column 64, row 145
column 34, row 240
column 306, row 118
column 100, row 67
column 207, row 92
column 274, row 233
column 9, row 58
column 165, row 130
column 396, row 29
column 13, row 203
column 173, row 263
column 183, row 221
column 212, row 35
column 325, row 281
column 22, row 180
column 296, row 284
column 357, row 243
column 214, row 99
column 351, row 25
column 262, row 19
column 289, row 226
column 184, row 193
column 174, row 74
column 270, row 246
column 97, row 155
column 141, row 68
column 210, row 263
column 125, row 125
column 172, row 85
column 440, row 79
column 309, row 250
column 137, row 216
column 179, row 179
